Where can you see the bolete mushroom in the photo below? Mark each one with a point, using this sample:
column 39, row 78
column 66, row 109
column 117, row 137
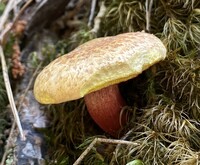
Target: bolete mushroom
column 93, row 71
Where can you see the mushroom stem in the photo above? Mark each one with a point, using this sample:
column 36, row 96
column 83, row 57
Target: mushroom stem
column 105, row 107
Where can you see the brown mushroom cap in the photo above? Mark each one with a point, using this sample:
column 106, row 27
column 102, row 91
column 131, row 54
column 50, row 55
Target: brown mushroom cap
column 97, row 64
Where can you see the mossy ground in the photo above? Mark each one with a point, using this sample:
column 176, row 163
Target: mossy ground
column 163, row 101
column 164, row 107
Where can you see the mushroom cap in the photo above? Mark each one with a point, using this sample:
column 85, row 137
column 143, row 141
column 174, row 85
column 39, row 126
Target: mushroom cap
column 97, row 64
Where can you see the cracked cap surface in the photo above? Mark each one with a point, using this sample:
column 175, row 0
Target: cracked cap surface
column 97, row 64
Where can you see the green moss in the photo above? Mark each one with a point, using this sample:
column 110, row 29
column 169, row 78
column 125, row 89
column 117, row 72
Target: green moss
column 123, row 16
column 70, row 127
column 181, row 77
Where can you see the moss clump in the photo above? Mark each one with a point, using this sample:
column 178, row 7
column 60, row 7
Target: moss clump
column 181, row 82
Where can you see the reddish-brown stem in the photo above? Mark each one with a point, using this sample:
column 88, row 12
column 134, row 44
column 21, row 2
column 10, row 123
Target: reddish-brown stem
column 105, row 107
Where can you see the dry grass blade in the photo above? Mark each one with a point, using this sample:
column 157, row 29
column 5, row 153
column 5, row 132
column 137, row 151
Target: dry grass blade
column 6, row 30
column 10, row 94
column 98, row 18
column 148, row 13
column 3, row 19
column 6, row 13
column 7, row 147
column 92, row 10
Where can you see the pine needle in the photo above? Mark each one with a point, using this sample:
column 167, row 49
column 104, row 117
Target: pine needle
column 3, row 19
column 10, row 94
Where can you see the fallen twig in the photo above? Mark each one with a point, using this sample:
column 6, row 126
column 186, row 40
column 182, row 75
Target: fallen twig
column 10, row 94
column 7, row 147
column 6, row 12
column 93, row 5
column 6, row 30
column 98, row 18
column 148, row 13
column 3, row 62
column 102, row 140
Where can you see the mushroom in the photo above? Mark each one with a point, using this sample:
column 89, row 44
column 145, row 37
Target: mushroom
column 93, row 71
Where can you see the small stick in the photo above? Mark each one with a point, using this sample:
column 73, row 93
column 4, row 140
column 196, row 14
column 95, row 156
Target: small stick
column 4, row 16
column 81, row 157
column 20, row 105
column 4, row 67
column 93, row 5
column 148, row 13
column 10, row 94
column 97, row 19
column 8, row 28
column 22, row 10
column 102, row 140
